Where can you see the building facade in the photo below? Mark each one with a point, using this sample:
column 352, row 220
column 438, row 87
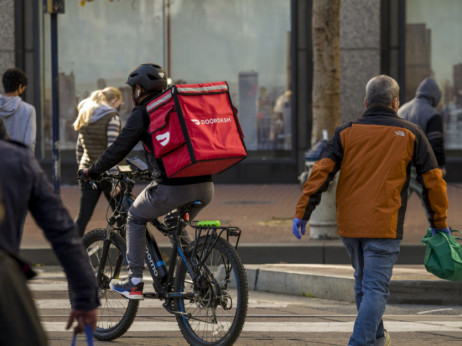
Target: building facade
column 262, row 48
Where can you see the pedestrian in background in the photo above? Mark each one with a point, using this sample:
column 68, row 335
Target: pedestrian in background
column 25, row 188
column 374, row 154
column 18, row 116
column 421, row 111
column 98, row 124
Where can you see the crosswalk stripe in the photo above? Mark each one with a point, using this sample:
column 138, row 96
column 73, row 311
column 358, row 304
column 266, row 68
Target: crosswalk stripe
column 47, row 287
column 299, row 327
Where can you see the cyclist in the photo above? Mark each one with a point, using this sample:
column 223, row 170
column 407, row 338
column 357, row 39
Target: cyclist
column 163, row 194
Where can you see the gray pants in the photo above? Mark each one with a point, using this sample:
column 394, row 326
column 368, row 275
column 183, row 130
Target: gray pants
column 154, row 201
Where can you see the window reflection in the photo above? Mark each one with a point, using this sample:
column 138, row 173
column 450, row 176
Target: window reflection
column 434, row 49
column 245, row 43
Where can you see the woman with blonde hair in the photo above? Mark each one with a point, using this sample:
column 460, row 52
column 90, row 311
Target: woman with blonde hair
column 98, row 124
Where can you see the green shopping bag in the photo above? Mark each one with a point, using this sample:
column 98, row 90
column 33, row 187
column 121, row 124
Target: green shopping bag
column 443, row 257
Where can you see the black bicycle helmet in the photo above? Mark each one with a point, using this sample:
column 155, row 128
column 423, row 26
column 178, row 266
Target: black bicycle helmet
column 150, row 76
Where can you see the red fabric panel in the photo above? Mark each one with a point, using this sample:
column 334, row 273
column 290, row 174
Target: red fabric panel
column 211, row 125
column 176, row 160
column 165, row 127
column 207, row 167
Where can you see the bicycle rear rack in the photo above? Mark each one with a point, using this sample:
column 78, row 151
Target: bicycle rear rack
column 212, row 231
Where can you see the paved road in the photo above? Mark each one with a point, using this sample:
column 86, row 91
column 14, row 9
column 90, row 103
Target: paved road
column 272, row 320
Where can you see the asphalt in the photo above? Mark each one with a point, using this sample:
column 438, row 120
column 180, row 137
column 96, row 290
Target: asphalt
column 275, row 260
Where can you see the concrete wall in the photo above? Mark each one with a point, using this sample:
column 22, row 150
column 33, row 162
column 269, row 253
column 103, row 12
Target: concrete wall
column 359, row 53
column 7, row 44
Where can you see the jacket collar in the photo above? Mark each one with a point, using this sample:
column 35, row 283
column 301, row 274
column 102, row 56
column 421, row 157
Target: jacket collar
column 380, row 111
column 149, row 98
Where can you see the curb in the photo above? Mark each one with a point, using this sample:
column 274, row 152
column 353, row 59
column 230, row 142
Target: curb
column 300, row 284
column 425, row 292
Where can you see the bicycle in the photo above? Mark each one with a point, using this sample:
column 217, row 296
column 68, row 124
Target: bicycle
column 204, row 284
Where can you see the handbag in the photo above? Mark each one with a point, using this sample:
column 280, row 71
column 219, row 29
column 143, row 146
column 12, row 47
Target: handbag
column 443, row 256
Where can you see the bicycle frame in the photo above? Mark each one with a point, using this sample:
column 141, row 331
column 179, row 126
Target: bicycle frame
column 163, row 284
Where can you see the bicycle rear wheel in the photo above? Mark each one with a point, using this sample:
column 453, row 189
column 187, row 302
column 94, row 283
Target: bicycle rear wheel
column 116, row 313
column 217, row 314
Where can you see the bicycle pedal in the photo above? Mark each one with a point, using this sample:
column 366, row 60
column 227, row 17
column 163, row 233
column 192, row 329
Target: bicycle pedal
column 150, row 295
column 186, row 315
column 168, row 306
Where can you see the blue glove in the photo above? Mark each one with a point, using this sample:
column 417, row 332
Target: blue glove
column 299, row 226
column 445, row 230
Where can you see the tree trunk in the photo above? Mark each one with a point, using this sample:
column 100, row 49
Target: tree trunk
column 326, row 67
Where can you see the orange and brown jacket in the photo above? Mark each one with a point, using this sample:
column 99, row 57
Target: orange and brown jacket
column 374, row 155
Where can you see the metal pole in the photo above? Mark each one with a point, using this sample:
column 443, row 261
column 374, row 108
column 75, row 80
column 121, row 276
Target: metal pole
column 169, row 71
column 55, row 101
column 164, row 34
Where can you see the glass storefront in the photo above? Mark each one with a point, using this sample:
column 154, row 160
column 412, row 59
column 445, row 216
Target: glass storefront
column 246, row 43
column 434, row 48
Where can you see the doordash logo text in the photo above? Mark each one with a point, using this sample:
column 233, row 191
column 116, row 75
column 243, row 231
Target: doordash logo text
column 211, row 121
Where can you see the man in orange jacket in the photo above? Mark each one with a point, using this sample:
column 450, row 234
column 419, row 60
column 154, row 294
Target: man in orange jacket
column 374, row 155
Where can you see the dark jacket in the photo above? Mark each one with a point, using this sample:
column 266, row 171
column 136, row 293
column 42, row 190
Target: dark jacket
column 374, row 155
column 18, row 315
column 25, row 188
column 3, row 133
column 135, row 130
column 421, row 111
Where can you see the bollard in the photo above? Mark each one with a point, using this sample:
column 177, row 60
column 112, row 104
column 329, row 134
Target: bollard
column 323, row 220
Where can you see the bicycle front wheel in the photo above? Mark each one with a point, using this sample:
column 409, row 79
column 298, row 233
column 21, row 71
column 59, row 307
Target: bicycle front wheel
column 216, row 315
column 116, row 313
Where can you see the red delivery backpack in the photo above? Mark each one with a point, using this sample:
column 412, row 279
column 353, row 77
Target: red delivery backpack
column 195, row 129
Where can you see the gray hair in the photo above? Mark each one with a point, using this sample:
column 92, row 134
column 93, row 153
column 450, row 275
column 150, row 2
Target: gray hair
column 381, row 90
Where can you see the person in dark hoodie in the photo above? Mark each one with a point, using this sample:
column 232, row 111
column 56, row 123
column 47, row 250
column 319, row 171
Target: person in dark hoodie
column 98, row 124
column 17, row 115
column 421, row 111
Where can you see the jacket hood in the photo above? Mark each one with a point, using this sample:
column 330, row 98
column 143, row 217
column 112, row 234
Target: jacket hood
column 101, row 112
column 8, row 105
column 430, row 90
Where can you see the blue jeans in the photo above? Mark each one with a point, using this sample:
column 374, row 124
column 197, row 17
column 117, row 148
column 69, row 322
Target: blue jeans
column 373, row 260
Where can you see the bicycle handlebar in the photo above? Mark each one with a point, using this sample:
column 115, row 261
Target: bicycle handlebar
column 125, row 172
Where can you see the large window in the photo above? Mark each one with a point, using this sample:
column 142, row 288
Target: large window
column 98, row 45
column 243, row 42
column 247, row 44
column 434, row 48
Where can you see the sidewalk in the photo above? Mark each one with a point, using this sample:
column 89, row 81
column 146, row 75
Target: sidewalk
column 265, row 213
